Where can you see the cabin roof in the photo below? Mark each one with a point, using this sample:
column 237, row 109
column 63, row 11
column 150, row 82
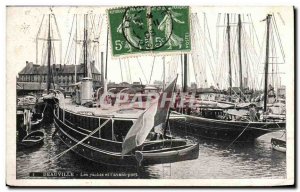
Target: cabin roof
column 123, row 112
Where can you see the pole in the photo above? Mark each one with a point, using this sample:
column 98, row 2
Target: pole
column 85, row 46
column 185, row 72
column 267, row 62
column 102, row 69
column 49, row 57
column 169, row 111
column 181, row 63
column 106, row 54
column 229, row 56
column 76, row 51
column 164, row 72
column 240, row 52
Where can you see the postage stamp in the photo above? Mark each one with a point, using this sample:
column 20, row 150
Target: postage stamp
column 149, row 29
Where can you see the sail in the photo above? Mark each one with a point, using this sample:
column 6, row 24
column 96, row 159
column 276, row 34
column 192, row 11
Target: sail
column 153, row 118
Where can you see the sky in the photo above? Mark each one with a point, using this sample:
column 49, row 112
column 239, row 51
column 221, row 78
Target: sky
column 23, row 24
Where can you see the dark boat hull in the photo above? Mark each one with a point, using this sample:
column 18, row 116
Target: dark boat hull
column 223, row 130
column 109, row 152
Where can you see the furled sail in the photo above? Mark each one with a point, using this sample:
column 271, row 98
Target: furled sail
column 153, row 118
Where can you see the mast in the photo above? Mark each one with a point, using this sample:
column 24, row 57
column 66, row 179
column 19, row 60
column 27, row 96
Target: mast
column 102, row 69
column 106, row 54
column 240, row 52
column 185, row 72
column 164, row 73
column 268, row 19
column 76, row 50
column 85, row 54
column 181, row 65
column 49, row 57
column 169, row 111
column 229, row 55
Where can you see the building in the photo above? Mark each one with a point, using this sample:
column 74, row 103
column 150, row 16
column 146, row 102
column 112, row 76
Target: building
column 63, row 75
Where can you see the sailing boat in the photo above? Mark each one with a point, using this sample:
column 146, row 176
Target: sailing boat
column 98, row 135
column 103, row 134
column 214, row 122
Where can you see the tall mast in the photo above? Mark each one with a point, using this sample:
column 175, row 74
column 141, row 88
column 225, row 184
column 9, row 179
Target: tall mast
column 106, row 54
column 181, row 65
column 85, row 53
column 164, row 73
column 76, row 50
column 184, row 72
column 49, row 57
column 102, row 69
column 240, row 52
column 268, row 19
column 229, row 55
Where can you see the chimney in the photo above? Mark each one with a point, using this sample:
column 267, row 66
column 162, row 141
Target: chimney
column 30, row 64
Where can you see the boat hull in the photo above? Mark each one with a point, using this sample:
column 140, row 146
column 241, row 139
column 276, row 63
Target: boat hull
column 109, row 152
column 90, row 149
column 278, row 145
column 223, row 130
column 180, row 154
column 33, row 139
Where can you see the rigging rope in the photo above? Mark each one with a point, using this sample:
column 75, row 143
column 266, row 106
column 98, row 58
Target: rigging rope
column 237, row 136
column 152, row 70
column 69, row 38
column 64, row 152
column 142, row 70
column 121, row 69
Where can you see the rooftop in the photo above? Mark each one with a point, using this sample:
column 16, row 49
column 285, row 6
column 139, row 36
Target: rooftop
column 31, row 69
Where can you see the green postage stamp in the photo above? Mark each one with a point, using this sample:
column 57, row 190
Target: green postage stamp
column 138, row 30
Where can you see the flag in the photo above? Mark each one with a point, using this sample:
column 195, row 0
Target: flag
column 153, row 118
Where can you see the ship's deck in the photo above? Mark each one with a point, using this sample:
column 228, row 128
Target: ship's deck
column 127, row 111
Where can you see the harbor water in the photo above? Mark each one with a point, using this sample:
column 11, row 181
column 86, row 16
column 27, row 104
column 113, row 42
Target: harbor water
column 216, row 161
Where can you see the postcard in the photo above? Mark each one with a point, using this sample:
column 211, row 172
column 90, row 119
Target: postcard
column 150, row 96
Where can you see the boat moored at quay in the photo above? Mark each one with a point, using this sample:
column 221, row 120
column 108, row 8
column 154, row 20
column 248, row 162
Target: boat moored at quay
column 223, row 130
column 102, row 134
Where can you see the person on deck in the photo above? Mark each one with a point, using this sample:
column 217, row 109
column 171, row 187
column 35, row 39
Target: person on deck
column 252, row 113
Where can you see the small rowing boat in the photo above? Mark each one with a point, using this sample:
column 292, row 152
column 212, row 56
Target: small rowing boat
column 278, row 144
column 33, row 139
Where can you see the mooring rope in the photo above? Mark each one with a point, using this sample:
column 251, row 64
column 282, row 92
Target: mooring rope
column 45, row 108
column 238, row 136
column 64, row 152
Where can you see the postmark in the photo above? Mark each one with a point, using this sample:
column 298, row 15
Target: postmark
column 142, row 27
column 136, row 30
